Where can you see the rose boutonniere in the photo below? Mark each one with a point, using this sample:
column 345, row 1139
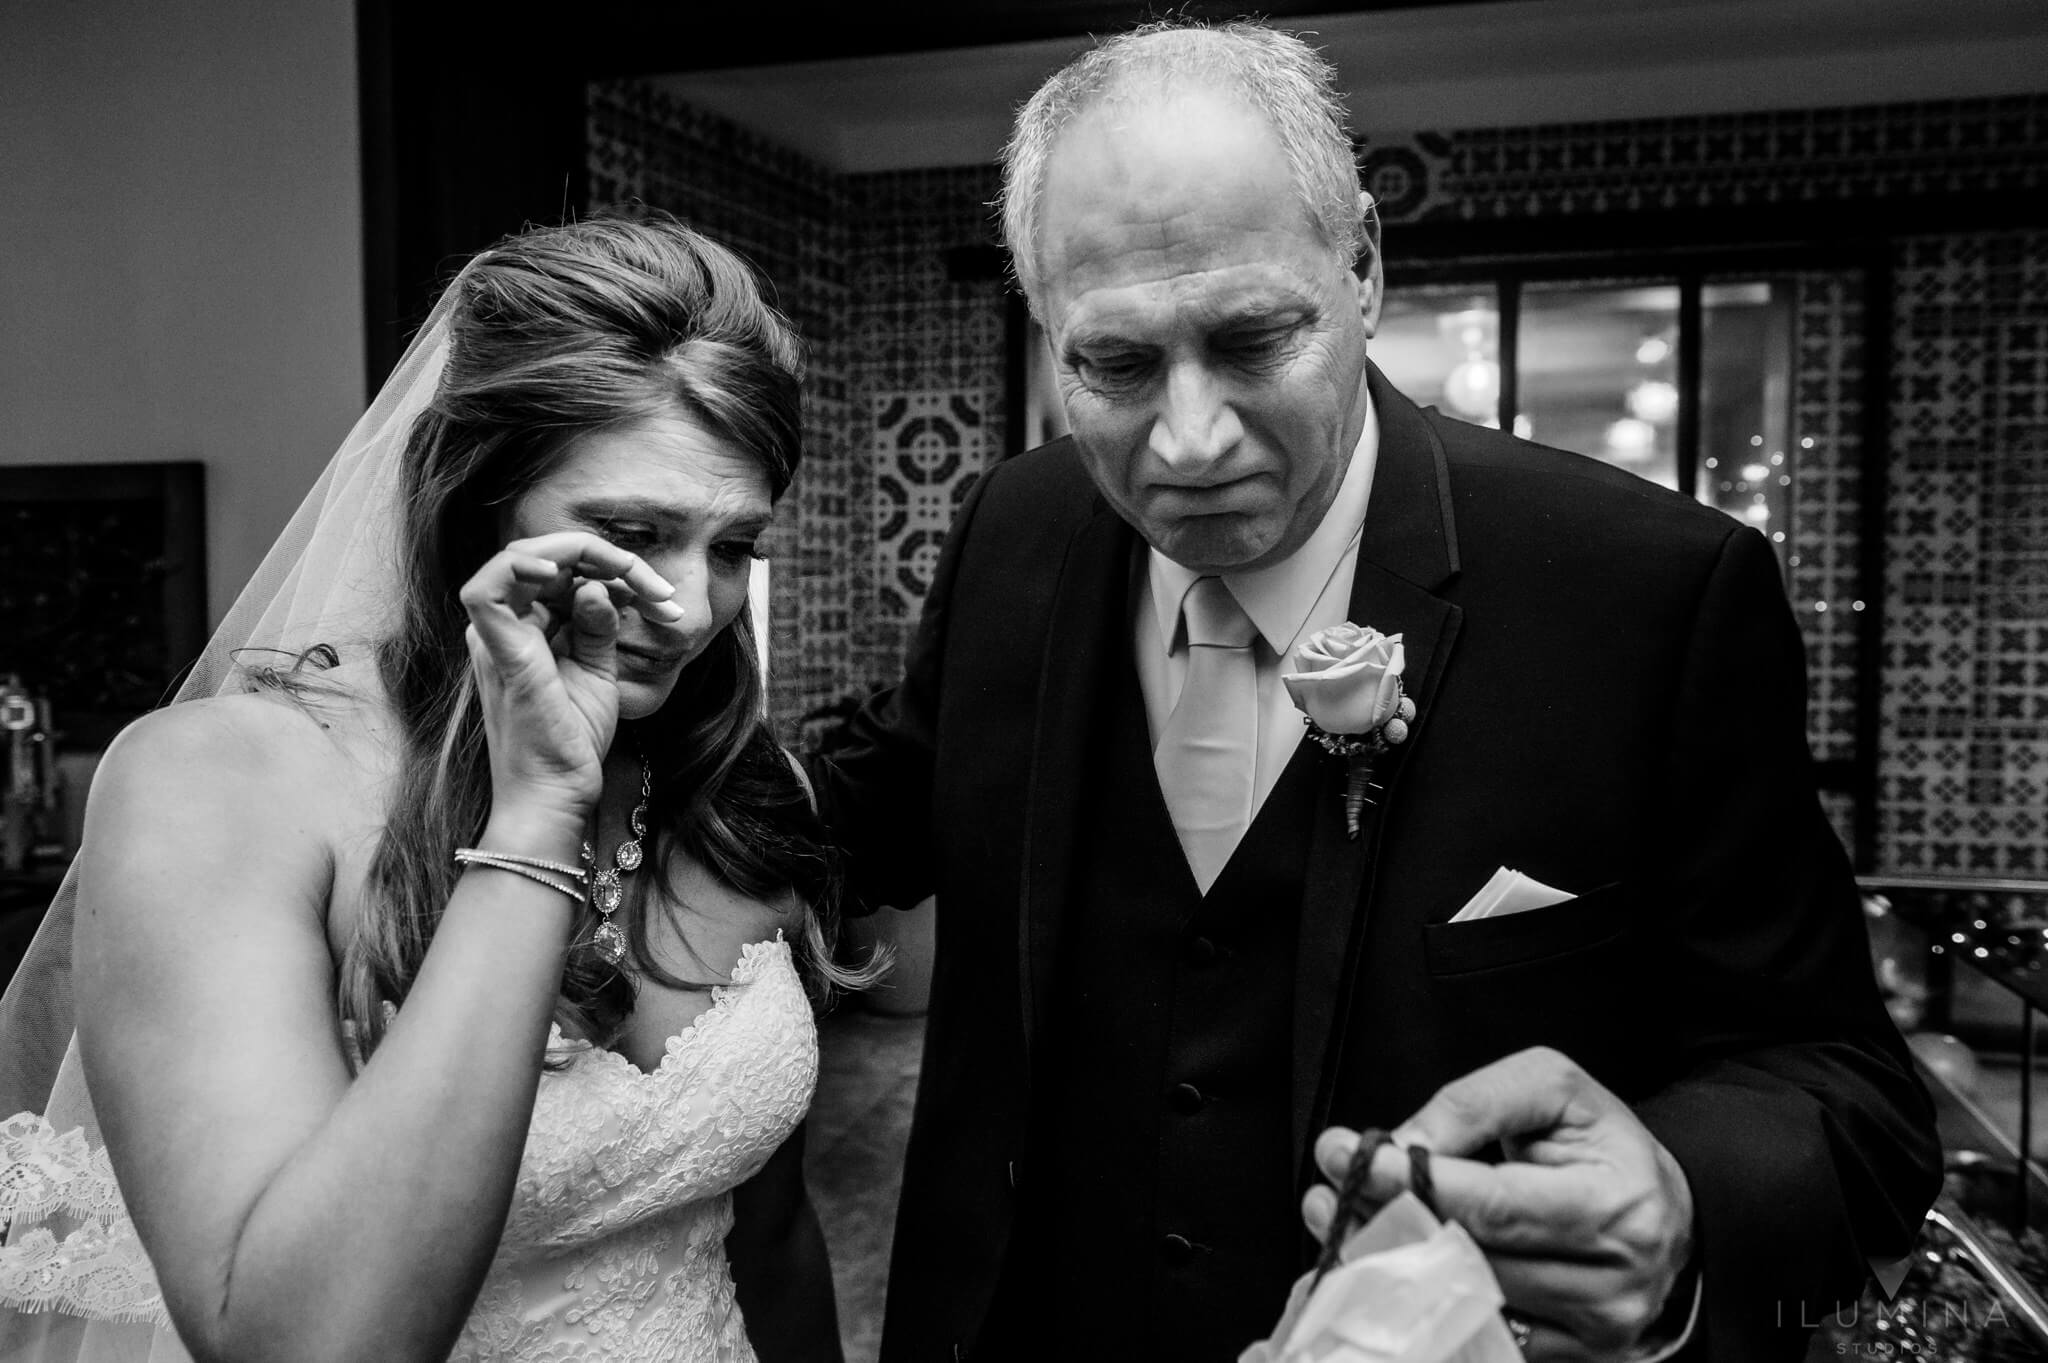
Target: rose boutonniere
column 1347, row 683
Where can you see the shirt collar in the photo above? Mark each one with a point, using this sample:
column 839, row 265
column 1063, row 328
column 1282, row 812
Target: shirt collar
column 1279, row 596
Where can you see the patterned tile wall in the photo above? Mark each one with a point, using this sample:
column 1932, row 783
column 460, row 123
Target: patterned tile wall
column 1824, row 578
column 1791, row 156
column 1964, row 771
column 929, row 367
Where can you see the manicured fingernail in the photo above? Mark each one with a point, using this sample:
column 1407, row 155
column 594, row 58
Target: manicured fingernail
column 665, row 610
column 668, row 588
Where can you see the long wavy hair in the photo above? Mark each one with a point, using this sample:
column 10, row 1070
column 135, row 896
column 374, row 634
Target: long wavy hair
column 555, row 334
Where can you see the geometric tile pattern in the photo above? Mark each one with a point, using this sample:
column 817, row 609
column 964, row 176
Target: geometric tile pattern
column 1827, row 477
column 929, row 449
column 1743, row 160
column 929, row 361
column 1964, row 764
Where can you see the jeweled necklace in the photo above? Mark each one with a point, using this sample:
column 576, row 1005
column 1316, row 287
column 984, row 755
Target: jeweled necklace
column 607, row 887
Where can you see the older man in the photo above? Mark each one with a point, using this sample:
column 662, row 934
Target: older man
column 1165, row 965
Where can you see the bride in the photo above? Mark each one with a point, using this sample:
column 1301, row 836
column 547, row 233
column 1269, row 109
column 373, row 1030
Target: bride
column 438, row 980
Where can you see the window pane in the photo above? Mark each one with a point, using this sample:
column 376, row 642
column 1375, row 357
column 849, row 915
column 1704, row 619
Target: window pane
column 1599, row 373
column 1745, row 404
column 1440, row 345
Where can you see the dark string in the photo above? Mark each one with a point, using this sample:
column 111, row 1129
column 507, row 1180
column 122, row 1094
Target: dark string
column 1420, row 1181
column 1355, row 1208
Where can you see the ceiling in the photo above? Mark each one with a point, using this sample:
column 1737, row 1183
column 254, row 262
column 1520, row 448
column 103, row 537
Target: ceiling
column 1442, row 65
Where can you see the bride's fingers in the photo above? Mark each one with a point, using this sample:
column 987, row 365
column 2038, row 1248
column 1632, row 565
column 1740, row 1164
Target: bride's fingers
column 625, row 598
column 593, row 632
column 531, row 585
column 593, row 557
column 503, row 592
column 500, row 630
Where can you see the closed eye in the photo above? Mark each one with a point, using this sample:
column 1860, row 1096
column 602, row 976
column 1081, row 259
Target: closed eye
column 1113, row 369
column 1254, row 346
column 634, row 535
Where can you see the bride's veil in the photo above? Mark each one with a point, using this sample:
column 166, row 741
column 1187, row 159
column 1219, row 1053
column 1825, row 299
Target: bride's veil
column 69, row 1290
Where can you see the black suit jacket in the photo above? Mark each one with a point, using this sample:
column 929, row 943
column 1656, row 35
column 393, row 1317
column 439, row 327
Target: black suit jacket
column 1611, row 698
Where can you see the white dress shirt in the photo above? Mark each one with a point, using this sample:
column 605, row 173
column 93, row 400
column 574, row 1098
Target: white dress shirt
column 1288, row 601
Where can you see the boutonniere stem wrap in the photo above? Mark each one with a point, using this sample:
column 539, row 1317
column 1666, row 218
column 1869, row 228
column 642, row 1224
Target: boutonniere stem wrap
column 1347, row 684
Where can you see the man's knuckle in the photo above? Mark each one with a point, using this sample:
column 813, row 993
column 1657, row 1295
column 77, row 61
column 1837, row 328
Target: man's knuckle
column 1640, row 1224
column 1461, row 1101
column 1559, row 1067
column 1493, row 1215
column 1633, row 1311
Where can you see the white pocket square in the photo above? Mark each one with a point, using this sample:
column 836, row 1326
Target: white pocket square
column 1509, row 891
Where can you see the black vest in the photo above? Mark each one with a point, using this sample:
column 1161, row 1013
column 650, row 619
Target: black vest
column 1158, row 1216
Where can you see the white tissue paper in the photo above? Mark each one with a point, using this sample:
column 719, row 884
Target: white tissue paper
column 1408, row 1289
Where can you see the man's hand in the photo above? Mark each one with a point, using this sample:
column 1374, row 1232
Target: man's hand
column 1588, row 1221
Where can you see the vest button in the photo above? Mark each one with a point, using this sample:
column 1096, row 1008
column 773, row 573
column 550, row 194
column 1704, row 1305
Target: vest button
column 1201, row 951
column 1177, row 1249
column 1186, row 1099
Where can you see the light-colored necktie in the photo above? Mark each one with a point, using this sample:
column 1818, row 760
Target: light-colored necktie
column 1207, row 751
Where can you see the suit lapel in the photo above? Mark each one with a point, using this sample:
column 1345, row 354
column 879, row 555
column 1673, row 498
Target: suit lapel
column 1089, row 632
column 1408, row 552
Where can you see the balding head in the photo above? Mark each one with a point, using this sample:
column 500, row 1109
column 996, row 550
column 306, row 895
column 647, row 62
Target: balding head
column 1277, row 75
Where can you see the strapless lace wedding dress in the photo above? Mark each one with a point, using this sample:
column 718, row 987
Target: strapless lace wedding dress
column 615, row 1246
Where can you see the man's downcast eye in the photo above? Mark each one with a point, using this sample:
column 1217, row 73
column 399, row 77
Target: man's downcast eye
column 1109, row 365
column 1119, row 371
column 1257, row 344
column 735, row 552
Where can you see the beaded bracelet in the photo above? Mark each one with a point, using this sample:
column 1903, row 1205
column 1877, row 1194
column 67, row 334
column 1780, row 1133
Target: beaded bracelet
column 533, row 868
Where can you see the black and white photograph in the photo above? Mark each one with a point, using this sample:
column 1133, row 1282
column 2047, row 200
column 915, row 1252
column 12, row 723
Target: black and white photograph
column 1024, row 680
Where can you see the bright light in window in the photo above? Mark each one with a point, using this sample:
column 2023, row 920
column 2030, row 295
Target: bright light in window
column 1631, row 440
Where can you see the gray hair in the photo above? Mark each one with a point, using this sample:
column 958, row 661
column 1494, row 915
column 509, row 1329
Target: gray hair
column 1277, row 74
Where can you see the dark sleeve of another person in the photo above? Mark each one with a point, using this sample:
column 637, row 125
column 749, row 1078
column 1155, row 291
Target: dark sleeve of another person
column 780, row 1270
column 875, row 794
column 1803, row 1130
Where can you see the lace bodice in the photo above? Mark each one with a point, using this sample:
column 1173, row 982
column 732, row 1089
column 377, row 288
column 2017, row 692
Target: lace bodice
column 615, row 1245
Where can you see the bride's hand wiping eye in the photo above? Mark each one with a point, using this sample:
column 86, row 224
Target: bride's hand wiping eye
column 543, row 635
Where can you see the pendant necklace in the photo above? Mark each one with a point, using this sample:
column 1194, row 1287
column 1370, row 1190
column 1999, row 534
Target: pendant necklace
column 607, row 887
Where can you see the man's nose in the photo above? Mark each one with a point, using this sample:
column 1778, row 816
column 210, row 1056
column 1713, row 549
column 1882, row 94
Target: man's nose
column 1196, row 426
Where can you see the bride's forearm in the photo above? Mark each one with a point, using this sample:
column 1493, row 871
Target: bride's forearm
column 374, row 1237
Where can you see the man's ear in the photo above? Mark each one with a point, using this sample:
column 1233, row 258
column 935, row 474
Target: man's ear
column 1367, row 273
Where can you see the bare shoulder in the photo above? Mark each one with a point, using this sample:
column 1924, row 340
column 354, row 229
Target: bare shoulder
column 239, row 766
column 248, row 744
